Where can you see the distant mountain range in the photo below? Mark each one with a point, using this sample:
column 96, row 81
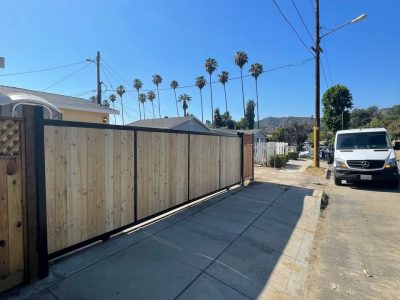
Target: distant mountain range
column 270, row 123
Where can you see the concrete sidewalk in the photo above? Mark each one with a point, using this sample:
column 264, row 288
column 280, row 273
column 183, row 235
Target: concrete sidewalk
column 246, row 243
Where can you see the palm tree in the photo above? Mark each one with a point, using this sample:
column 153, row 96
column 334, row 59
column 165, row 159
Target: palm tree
column 174, row 85
column 185, row 98
column 157, row 81
column 142, row 99
column 256, row 70
column 151, row 96
column 201, row 83
column 120, row 92
column 223, row 78
column 211, row 65
column 240, row 60
column 137, row 84
column 112, row 98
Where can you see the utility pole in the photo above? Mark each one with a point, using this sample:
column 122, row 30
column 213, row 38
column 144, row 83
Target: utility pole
column 317, row 50
column 98, row 78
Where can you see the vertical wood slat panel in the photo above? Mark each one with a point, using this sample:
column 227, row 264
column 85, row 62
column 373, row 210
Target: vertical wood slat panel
column 4, row 232
column 162, row 171
column 92, row 183
column 204, row 165
column 11, row 224
column 82, row 182
column 15, row 218
column 230, row 161
column 89, row 183
column 60, row 166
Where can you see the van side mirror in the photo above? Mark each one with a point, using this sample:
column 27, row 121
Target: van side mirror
column 396, row 146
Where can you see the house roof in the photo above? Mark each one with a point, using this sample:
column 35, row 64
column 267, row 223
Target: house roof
column 253, row 131
column 168, row 123
column 59, row 101
column 225, row 131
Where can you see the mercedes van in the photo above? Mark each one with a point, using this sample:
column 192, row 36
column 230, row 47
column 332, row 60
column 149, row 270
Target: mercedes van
column 365, row 155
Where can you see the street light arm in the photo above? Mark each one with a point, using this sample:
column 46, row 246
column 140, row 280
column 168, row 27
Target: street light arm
column 358, row 19
column 336, row 29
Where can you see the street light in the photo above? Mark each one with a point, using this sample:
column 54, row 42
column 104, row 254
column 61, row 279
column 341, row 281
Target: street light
column 317, row 50
column 360, row 18
column 356, row 20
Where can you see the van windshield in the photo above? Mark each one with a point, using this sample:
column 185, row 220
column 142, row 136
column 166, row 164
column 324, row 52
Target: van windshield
column 363, row 140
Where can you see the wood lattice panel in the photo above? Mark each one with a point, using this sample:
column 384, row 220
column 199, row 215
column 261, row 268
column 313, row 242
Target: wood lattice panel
column 9, row 137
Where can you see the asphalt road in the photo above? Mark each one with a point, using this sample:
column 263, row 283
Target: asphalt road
column 356, row 251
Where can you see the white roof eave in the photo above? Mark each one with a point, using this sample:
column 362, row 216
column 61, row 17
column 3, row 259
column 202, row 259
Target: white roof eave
column 26, row 98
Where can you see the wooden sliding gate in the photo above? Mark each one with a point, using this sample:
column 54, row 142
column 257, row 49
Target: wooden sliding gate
column 103, row 178
column 65, row 184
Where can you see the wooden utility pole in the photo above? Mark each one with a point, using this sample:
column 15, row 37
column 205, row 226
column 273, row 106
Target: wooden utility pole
column 317, row 87
column 98, row 78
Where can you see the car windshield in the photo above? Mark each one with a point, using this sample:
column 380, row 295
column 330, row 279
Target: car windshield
column 363, row 140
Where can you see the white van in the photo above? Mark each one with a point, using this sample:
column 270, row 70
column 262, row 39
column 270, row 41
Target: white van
column 365, row 155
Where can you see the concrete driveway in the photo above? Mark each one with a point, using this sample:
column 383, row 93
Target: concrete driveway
column 357, row 246
column 251, row 242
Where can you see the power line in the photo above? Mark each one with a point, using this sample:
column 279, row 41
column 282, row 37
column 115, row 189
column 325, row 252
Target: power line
column 83, row 93
column 291, row 26
column 323, row 73
column 66, row 77
column 294, row 64
column 131, row 91
column 112, row 72
column 327, row 60
column 302, row 20
column 312, row 4
column 43, row 70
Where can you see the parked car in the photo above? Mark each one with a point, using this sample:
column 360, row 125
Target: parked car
column 305, row 153
column 365, row 155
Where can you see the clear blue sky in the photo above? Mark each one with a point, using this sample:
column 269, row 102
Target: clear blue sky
column 173, row 38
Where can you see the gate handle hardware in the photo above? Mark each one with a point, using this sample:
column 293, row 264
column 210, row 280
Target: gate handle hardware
column 2, row 243
column 19, row 224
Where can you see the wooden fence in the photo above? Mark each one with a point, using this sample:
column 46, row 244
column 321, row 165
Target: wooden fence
column 65, row 184
column 11, row 204
column 103, row 178
column 248, row 156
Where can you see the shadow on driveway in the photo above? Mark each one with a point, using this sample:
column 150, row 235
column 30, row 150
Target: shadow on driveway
column 226, row 247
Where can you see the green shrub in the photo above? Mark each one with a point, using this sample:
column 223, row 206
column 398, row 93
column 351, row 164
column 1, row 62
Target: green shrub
column 293, row 155
column 278, row 161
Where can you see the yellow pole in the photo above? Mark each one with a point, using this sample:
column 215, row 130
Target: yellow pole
column 316, row 148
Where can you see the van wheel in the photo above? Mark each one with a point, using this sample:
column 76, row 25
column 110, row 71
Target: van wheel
column 338, row 181
column 394, row 184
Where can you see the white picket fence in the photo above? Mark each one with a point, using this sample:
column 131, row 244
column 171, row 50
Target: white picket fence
column 264, row 151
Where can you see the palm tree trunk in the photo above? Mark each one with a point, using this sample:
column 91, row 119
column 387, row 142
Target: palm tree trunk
column 241, row 79
column 201, row 101
column 140, row 113
column 226, row 102
column 144, row 112
column 212, row 106
column 176, row 103
column 115, row 118
column 152, row 104
column 184, row 108
column 159, row 104
column 122, row 109
column 258, row 117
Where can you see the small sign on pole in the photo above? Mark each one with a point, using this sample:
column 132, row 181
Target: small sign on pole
column 2, row 61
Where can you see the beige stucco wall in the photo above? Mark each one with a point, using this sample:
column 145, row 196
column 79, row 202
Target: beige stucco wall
column 84, row 116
